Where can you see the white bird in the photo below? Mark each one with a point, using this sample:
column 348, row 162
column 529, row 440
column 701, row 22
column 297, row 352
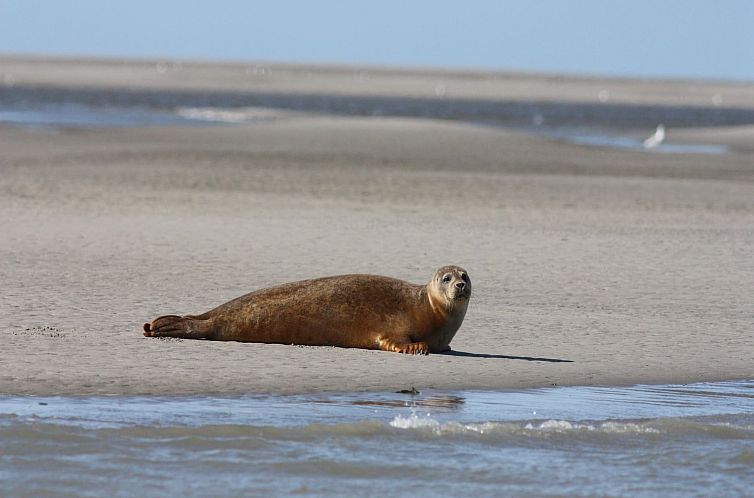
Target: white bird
column 657, row 137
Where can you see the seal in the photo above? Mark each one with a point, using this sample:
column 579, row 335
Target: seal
column 349, row 311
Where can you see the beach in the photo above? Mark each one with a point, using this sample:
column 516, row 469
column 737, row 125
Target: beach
column 591, row 266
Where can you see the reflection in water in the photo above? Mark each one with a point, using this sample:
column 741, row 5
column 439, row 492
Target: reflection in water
column 435, row 401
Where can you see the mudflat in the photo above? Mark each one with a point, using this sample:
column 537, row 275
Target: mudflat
column 591, row 266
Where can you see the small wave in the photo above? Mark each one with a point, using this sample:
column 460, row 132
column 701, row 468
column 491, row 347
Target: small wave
column 666, row 427
column 232, row 116
column 415, row 421
column 606, row 427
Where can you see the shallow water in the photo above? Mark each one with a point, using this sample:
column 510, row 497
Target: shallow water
column 694, row 440
column 46, row 116
column 603, row 125
column 627, row 141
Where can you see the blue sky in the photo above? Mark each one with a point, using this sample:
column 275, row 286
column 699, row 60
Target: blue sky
column 666, row 38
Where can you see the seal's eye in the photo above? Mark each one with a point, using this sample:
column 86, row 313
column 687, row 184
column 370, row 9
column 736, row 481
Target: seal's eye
column 465, row 278
column 446, row 279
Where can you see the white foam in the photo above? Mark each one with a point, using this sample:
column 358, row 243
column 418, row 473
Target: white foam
column 623, row 427
column 606, row 427
column 414, row 422
column 556, row 425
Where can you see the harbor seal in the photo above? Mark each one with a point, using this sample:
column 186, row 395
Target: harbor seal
column 349, row 311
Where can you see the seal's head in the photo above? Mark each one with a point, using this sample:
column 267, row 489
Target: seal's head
column 451, row 287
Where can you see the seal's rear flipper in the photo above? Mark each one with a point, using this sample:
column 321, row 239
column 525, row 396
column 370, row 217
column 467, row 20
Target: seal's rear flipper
column 184, row 327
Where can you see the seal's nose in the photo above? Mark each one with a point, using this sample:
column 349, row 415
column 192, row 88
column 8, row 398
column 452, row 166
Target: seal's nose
column 460, row 285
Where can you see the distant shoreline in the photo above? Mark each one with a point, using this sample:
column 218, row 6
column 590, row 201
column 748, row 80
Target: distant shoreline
column 334, row 67
column 163, row 74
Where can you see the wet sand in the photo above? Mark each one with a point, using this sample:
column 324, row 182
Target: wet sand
column 633, row 266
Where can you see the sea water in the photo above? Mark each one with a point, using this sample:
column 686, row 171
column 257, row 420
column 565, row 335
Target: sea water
column 591, row 124
column 670, row 440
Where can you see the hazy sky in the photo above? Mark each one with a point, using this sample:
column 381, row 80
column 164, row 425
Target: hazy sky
column 697, row 38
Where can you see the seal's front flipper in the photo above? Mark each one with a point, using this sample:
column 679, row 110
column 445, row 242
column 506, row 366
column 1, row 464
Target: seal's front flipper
column 404, row 347
column 183, row 327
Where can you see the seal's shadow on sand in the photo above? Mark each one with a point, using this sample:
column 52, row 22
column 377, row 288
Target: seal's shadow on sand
column 503, row 357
